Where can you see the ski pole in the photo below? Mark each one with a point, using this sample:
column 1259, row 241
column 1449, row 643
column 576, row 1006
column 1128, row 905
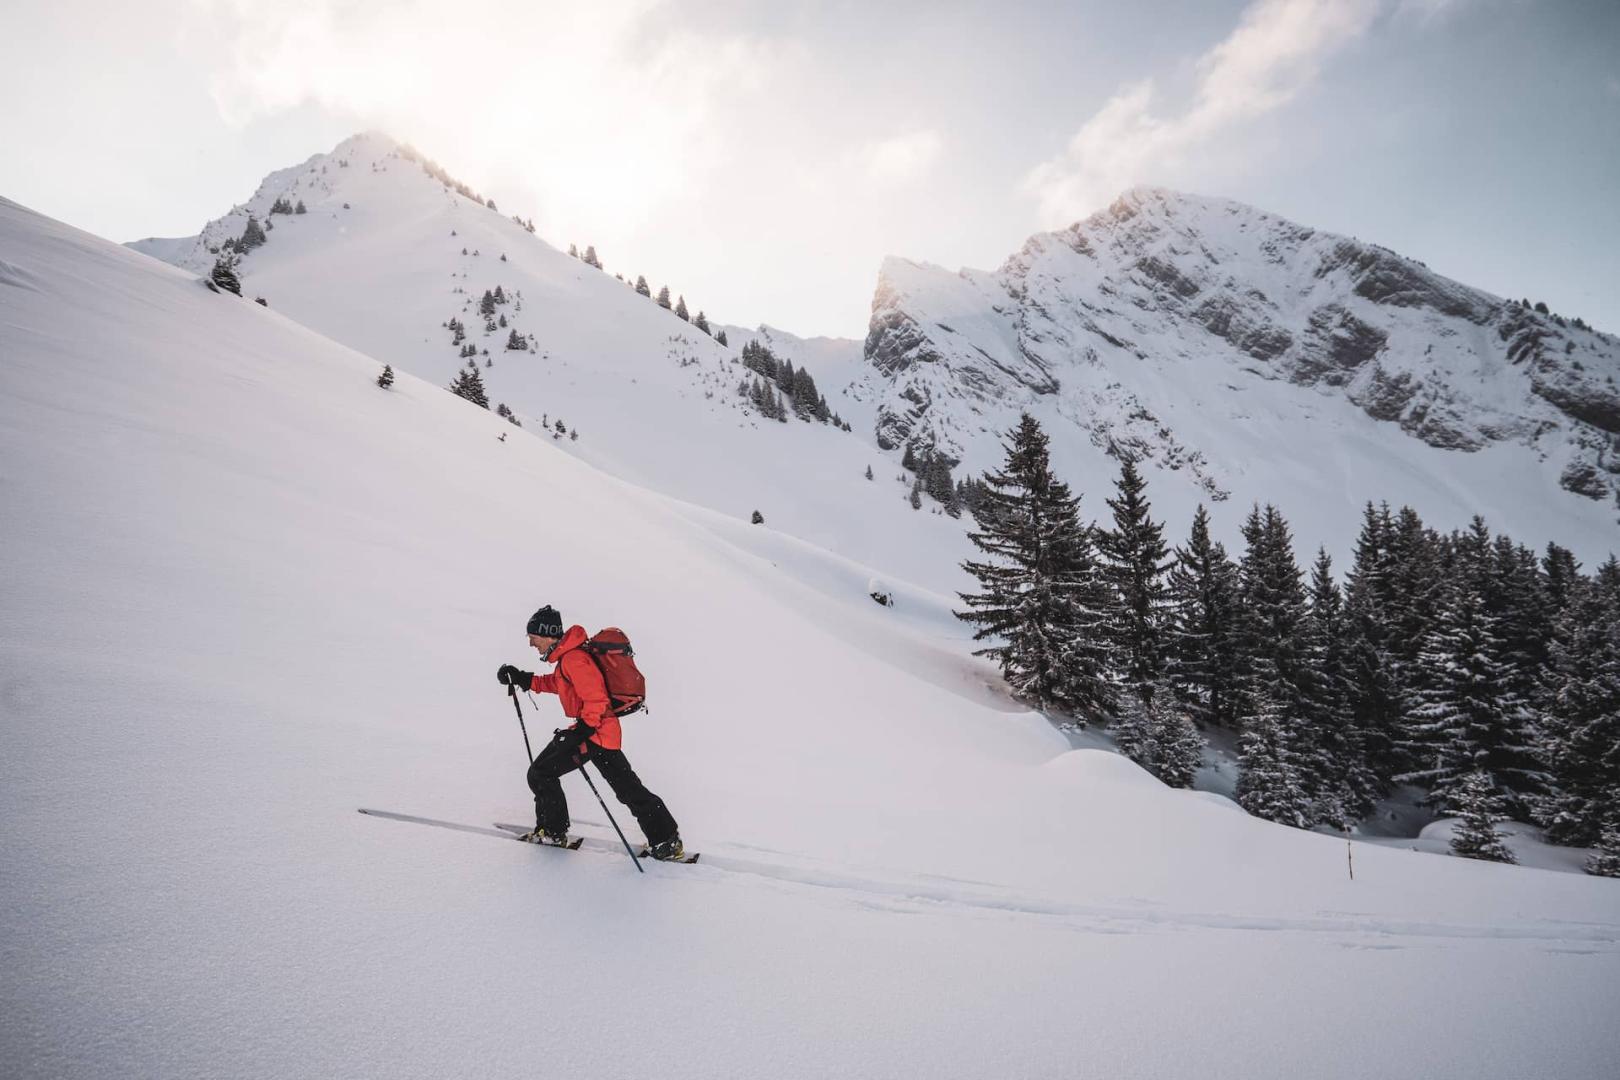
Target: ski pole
column 628, row 849
column 512, row 693
column 512, row 690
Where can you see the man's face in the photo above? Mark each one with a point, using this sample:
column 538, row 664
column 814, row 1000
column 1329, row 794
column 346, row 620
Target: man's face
column 542, row 645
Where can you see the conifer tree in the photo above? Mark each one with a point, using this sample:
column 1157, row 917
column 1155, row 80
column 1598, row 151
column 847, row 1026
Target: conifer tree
column 642, row 287
column 1375, row 697
column 1581, row 740
column 805, row 395
column 1477, row 805
column 1200, row 642
column 1605, row 858
column 1272, row 603
column 1178, row 747
column 869, row 472
column 224, row 275
column 721, row 338
column 300, row 208
column 1413, row 598
column 386, row 379
column 1042, row 599
column 1466, row 719
column 1516, row 600
column 663, row 297
column 1340, row 781
column 469, row 384
column 515, row 342
column 252, row 236
column 590, row 256
column 1270, row 784
column 1559, row 572
column 680, row 309
column 1132, row 729
column 1135, row 560
column 486, row 304
column 758, row 518
column 701, row 321
column 908, row 460
column 1159, row 737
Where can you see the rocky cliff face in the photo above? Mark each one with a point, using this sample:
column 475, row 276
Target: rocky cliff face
column 1168, row 304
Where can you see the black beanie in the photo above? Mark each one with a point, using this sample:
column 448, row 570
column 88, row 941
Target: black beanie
column 546, row 623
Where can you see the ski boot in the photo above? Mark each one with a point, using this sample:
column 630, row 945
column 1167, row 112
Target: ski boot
column 668, row 851
column 537, row 835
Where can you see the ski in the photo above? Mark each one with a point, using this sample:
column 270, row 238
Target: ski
column 644, row 853
column 456, row 826
column 688, row 859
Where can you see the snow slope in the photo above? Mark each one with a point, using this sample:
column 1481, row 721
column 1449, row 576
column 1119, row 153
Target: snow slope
column 1242, row 357
column 378, row 263
column 245, row 592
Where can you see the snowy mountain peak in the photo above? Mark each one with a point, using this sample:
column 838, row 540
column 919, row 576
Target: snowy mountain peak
column 395, row 256
column 1154, row 328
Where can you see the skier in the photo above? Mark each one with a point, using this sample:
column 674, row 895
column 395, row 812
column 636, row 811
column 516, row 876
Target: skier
column 594, row 737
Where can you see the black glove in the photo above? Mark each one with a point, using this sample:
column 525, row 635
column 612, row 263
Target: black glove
column 511, row 676
column 572, row 736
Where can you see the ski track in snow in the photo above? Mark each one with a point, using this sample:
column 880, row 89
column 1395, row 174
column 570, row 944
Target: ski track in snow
column 908, row 894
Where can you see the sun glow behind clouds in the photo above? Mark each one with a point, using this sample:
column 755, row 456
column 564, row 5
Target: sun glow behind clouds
column 602, row 111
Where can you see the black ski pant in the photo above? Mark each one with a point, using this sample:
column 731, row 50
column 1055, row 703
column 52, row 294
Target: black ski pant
column 562, row 755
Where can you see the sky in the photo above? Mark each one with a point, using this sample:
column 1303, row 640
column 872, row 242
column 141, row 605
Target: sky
column 762, row 158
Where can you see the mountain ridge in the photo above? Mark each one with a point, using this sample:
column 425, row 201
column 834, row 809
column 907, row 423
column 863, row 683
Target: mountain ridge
column 1123, row 325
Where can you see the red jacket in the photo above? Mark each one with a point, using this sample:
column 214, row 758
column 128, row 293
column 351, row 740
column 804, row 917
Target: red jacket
column 579, row 685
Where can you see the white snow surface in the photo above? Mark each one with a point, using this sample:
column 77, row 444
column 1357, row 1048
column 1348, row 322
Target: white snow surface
column 246, row 592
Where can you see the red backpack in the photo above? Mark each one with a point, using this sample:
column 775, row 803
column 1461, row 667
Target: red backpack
column 626, row 687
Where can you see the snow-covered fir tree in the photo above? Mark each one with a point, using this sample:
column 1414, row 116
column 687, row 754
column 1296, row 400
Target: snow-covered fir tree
column 469, row 384
column 680, row 308
column 1272, row 606
column 642, row 287
column 1201, row 591
column 1042, row 600
column 515, row 342
column 1605, row 858
column 1339, row 779
column 1270, row 782
column 663, row 297
column 701, row 321
column 224, row 275
column 1158, row 735
column 1465, row 719
column 1580, row 743
column 1135, row 560
column 386, row 379
column 252, row 236
column 1375, row 698
column 1477, row 805
column 720, row 336
column 590, row 256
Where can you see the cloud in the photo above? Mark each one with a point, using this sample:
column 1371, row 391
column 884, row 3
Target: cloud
column 604, row 111
column 1274, row 53
column 900, row 159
